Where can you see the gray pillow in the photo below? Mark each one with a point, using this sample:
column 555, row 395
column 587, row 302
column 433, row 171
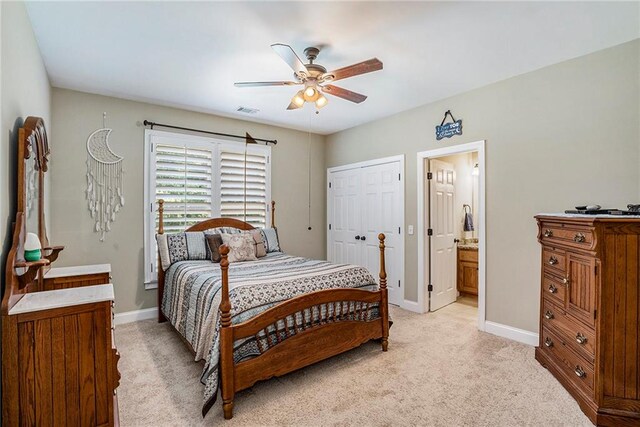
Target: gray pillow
column 270, row 238
column 176, row 247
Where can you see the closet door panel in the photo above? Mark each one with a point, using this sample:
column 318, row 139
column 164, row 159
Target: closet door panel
column 345, row 217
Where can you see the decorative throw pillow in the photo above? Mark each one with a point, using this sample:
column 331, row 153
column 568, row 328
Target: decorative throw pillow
column 241, row 247
column 181, row 247
column 270, row 237
column 214, row 241
column 261, row 250
column 218, row 230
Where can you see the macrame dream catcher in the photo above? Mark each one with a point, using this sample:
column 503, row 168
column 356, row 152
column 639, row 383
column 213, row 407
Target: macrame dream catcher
column 104, row 181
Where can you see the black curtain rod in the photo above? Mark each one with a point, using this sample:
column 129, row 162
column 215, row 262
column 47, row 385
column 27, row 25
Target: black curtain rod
column 152, row 124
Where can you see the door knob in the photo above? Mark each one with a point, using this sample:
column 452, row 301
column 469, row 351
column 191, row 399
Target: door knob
column 363, row 238
column 357, row 237
column 456, row 240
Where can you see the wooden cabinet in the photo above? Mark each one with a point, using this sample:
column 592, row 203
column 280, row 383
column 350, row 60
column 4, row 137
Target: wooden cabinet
column 590, row 312
column 467, row 276
column 59, row 359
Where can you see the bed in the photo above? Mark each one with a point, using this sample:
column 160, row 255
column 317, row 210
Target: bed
column 255, row 320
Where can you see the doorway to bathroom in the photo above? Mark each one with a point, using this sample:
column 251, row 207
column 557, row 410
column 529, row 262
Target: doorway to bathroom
column 451, row 229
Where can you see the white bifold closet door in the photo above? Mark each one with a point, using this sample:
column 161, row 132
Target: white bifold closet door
column 364, row 202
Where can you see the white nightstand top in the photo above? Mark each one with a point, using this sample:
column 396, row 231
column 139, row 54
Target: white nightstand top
column 46, row 300
column 77, row 270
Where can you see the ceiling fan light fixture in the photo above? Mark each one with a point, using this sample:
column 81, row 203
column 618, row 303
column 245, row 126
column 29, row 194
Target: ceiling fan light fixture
column 321, row 101
column 311, row 93
column 298, row 99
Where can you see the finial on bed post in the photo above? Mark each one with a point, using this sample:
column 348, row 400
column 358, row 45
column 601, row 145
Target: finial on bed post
column 161, row 216
column 226, row 338
column 384, row 296
column 273, row 214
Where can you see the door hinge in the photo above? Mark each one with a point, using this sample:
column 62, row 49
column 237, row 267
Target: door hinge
column 429, row 288
column 329, row 185
column 429, row 231
column 398, row 283
column 429, row 175
column 399, row 232
column 329, row 226
column 399, row 178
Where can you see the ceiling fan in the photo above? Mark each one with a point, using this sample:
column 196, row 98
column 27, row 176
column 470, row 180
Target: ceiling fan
column 315, row 78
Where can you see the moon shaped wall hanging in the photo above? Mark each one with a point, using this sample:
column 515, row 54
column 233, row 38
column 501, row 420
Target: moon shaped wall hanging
column 104, row 181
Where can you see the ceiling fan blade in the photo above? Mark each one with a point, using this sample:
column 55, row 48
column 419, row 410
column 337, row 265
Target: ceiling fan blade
column 344, row 93
column 364, row 67
column 257, row 84
column 289, row 56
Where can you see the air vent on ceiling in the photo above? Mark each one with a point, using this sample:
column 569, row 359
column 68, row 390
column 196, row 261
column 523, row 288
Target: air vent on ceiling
column 247, row 110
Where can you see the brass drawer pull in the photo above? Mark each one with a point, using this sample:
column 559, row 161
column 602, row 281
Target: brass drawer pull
column 565, row 281
column 579, row 237
column 548, row 233
column 580, row 372
column 548, row 314
column 548, row 342
column 580, row 338
column 553, row 260
column 553, row 289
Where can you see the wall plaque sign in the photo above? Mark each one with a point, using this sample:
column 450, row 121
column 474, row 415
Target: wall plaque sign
column 447, row 130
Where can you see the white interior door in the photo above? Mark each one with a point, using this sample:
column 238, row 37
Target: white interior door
column 345, row 217
column 364, row 202
column 442, row 223
column 381, row 214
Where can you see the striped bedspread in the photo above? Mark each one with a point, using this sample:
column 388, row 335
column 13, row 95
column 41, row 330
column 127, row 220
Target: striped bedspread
column 192, row 297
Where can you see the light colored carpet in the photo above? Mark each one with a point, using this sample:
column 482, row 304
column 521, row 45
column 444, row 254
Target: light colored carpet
column 439, row 371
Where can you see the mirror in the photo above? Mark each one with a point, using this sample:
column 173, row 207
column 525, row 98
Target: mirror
column 33, row 155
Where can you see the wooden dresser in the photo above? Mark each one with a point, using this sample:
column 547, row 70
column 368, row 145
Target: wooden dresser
column 73, row 277
column 59, row 357
column 590, row 312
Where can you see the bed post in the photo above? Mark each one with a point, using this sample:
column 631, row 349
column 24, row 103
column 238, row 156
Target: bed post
column 161, row 317
column 226, row 339
column 273, row 214
column 384, row 296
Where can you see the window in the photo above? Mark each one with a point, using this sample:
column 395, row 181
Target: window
column 200, row 178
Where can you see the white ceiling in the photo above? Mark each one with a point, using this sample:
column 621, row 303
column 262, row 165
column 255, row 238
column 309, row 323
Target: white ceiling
column 189, row 54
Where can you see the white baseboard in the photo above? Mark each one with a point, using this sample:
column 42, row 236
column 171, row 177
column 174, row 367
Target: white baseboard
column 134, row 316
column 520, row 335
column 412, row 306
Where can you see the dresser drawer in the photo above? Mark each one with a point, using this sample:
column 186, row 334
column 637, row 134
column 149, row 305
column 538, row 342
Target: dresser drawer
column 574, row 334
column 578, row 370
column 554, row 260
column 574, row 236
column 553, row 289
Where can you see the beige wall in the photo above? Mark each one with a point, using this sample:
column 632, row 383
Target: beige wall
column 25, row 91
column 563, row 135
column 76, row 115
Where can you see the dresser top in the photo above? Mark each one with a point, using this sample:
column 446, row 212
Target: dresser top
column 77, row 270
column 59, row 298
column 630, row 218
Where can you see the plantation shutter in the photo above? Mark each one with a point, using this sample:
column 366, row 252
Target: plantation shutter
column 184, row 180
column 243, row 186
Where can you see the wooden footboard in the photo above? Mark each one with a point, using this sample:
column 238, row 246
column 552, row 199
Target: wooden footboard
column 299, row 332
